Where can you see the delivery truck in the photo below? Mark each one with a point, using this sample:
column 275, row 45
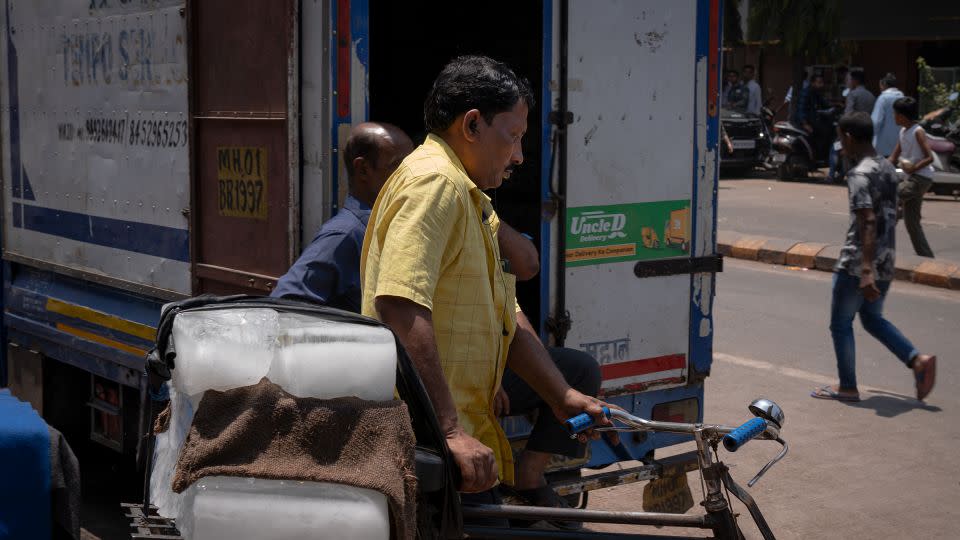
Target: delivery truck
column 155, row 150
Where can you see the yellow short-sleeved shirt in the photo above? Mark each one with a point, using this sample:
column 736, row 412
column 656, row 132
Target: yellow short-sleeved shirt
column 431, row 239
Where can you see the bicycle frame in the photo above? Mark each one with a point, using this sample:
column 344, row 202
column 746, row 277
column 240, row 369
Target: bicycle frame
column 716, row 477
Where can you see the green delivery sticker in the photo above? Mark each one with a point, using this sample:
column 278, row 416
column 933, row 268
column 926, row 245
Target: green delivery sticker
column 627, row 232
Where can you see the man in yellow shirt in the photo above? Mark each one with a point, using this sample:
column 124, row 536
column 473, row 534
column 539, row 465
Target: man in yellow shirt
column 431, row 269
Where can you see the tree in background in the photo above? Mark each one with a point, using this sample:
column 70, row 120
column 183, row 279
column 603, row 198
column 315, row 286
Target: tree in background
column 806, row 29
column 934, row 94
column 732, row 29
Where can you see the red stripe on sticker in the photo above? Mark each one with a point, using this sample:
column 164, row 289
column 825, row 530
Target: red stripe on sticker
column 643, row 367
column 343, row 58
column 713, row 59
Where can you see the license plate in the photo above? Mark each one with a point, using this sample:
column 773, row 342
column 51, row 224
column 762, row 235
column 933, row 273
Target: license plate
column 779, row 158
column 744, row 144
column 670, row 495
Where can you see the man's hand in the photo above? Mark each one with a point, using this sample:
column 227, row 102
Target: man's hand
column 808, row 128
column 501, row 403
column 868, row 286
column 575, row 403
column 478, row 466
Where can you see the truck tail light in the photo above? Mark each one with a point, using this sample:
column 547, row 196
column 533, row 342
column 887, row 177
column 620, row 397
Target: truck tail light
column 684, row 410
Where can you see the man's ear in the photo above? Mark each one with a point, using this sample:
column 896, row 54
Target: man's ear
column 360, row 166
column 470, row 125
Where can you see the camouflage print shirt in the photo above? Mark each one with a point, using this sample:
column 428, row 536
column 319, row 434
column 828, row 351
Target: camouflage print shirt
column 872, row 184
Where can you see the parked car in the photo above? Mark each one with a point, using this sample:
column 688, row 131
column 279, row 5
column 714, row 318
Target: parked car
column 745, row 142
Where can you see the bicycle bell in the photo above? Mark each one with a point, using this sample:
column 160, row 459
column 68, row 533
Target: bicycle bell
column 768, row 410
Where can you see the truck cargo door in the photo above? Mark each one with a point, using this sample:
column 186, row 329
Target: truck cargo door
column 246, row 162
column 640, row 188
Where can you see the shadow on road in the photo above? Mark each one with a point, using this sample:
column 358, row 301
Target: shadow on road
column 890, row 405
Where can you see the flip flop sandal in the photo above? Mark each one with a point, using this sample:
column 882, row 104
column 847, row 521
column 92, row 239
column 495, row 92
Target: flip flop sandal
column 926, row 378
column 825, row 392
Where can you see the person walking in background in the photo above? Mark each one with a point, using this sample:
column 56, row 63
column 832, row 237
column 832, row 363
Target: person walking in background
column 916, row 159
column 859, row 99
column 865, row 267
column 754, row 100
column 885, row 128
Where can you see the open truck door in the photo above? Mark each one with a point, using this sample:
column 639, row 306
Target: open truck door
column 638, row 101
column 246, row 152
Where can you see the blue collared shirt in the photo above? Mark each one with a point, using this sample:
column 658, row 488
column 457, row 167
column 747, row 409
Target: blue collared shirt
column 328, row 270
column 886, row 132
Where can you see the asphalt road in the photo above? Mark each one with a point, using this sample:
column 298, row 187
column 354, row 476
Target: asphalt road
column 813, row 212
column 882, row 468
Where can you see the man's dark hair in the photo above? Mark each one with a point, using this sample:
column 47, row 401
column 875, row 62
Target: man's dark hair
column 363, row 144
column 731, row 72
column 857, row 75
column 858, row 125
column 473, row 82
column 889, row 80
column 908, row 107
column 750, row 67
column 815, row 76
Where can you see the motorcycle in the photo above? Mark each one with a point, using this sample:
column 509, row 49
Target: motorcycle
column 944, row 137
column 797, row 152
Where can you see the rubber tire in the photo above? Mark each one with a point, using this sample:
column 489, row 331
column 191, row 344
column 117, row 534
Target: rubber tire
column 783, row 172
column 794, row 168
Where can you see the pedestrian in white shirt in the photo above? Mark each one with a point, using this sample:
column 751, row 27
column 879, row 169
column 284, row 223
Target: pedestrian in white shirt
column 886, row 132
column 915, row 158
column 754, row 102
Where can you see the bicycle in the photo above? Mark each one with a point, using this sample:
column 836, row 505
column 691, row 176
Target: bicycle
column 719, row 517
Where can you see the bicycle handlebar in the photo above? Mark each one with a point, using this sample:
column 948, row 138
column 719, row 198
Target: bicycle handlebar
column 747, row 431
column 766, row 425
column 584, row 421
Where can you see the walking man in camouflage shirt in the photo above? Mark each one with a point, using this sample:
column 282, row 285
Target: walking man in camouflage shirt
column 865, row 267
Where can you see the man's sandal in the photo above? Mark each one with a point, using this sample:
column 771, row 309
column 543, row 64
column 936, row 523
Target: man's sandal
column 825, row 392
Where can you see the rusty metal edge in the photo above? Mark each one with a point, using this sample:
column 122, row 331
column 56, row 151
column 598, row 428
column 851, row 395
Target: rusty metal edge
column 671, row 466
column 193, row 183
column 293, row 134
column 146, row 290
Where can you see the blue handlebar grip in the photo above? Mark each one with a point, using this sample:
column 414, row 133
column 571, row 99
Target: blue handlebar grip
column 582, row 422
column 745, row 433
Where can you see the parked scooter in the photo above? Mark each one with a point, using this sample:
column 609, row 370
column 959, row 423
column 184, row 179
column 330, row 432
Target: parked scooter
column 796, row 152
column 944, row 137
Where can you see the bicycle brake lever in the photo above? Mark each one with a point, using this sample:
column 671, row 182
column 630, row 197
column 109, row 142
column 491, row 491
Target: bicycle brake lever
column 773, row 462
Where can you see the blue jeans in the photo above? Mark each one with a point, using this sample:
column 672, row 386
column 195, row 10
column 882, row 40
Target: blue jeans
column 847, row 302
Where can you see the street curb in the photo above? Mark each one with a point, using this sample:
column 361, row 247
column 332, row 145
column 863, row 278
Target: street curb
column 812, row 255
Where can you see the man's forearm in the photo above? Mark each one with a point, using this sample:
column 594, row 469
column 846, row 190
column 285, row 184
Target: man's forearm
column 413, row 325
column 522, row 254
column 867, row 224
column 531, row 361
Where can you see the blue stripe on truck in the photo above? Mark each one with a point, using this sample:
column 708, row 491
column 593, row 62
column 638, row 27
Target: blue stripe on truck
column 156, row 240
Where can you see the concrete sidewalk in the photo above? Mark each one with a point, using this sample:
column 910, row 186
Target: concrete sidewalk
column 819, row 256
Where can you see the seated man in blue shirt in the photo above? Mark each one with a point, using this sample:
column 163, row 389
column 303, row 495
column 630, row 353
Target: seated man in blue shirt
column 328, row 270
